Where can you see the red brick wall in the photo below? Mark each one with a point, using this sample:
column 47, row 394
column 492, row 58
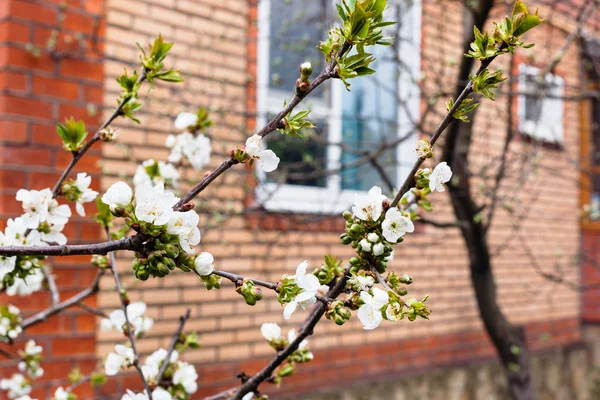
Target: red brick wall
column 591, row 276
column 36, row 92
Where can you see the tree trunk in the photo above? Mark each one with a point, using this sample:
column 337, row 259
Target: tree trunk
column 508, row 339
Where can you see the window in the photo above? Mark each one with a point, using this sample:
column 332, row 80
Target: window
column 541, row 105
column 321, row 172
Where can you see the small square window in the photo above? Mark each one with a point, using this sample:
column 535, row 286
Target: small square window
column 541, row 110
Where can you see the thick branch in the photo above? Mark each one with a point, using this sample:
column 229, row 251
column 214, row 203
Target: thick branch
column 128, row 243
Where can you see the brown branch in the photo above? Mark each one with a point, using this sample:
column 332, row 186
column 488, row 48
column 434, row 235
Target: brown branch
column 176, row 336
column 74, row 300
column 54, row 293
column 237, row 279
column 129, row 243
column 128, row 326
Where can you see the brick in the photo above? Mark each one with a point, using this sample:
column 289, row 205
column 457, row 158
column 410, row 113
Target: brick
column 26, row 107
column 13, row 80
column 33, row 12
column 11, row 31
column 16, row 155
column 55, row 88
column 88, row 70
column 13, row 131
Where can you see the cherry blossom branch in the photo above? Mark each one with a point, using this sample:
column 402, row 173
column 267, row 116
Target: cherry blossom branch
column 236, row 279
column 176, row 336
column 77, row 155
column 327, row 73
column 79, row 297
column 306, row 330
column 124, row 302
column 9, row 355
column 446, row 121
column 129, row 243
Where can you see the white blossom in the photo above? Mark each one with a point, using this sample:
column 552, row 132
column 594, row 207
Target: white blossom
column 185, row 120
column 135, row 314
column 365, row 245
column 154, row 205
column 378, row 249
column 369, row 313
column 204, row 263
column 185, row 224
column 86, row 194
column 118, row 195
column 61, row 394
column 270, row 331
column 440, row 175
column 122, row 357
column 197, row 149
column 24, row 287
column 369, row 207
column 35, row 205
column 151, row 172
column 373, row 237
column 248, row 396
column 156, row 358
column 396, row 225
column 16, row 230
column 365, row 282
column 309, row 284
column 292, row 336
column 266, row 158
column 186, row 376
column 16, row 386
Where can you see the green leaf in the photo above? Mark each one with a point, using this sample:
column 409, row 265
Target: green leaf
column 72, row 133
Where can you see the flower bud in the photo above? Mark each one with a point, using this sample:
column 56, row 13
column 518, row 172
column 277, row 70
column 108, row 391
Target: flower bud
column 348, row 216
column 108, row 134
column 306, row 70
column 118, row 212
column 188, row 206
column 142, row 274
column 287, row 370
column 172, row 251
column 406, row 279
column 356, row 229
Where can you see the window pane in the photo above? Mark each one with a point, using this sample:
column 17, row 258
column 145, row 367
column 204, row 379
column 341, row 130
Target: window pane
column 595, row 128
column 295, row 28
column 369, row 118
column 303, row 160
column 595, row 201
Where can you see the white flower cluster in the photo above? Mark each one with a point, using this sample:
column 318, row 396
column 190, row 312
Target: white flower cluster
column 309, row 288
column 272, row 333
column 153, row 172
column 123, row 357
column 154, row 205
column 184, row 376
column 266, row 159
column 196, row 149
column 83, row 193
column 135, row 314
column 16, row 387
column 30, row 284
column 369, row 313
column 31, row 356
column 10, row 322
column 62, row 394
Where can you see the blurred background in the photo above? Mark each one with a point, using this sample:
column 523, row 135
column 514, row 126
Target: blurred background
column 508, row 254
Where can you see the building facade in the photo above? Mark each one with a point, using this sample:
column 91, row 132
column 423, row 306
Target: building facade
column 239, row 59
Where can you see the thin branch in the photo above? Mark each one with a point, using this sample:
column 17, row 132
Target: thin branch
column 448, row 119
column 182, row 320
column 129, row 243
column 79, row 154
column 54, row 293
column 79, row 297
column 128, row 326
column 92, row 310
column 236, row 279
column 328, row 72
column 9, row 355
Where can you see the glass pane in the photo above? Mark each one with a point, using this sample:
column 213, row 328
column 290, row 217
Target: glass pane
column 369, row 118
column 595, row 201
column 595, row 128
column 295, row 28
column 303, row 160
column 533, row 103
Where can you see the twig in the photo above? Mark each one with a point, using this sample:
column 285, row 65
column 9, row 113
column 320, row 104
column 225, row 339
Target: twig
column 54, row 293
column 84, row 294
column 238, row 278
column 182, row 320
column 79, row 154
column 448, row 119
column 327, row 73
column 129, row 243
column 10, row 356
column 128, row 326
column 92, row 310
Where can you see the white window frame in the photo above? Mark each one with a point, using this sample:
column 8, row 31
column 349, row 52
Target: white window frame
column 549, row 126
column 332, row 199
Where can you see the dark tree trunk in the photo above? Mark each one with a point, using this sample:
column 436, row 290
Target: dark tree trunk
column 508, row 339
